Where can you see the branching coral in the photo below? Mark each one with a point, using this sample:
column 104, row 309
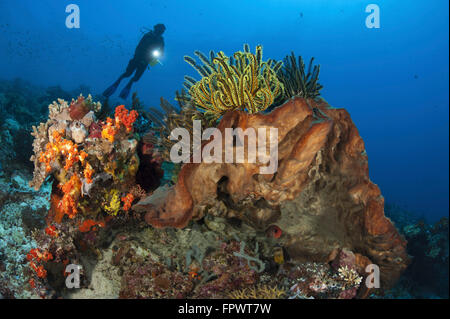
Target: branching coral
column 350, row 276
column 242, row 82
column 137, row 191
column 259, row 264
column 258, row 292
column 296, row 82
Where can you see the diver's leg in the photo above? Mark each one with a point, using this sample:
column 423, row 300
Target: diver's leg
column 130, row 69
column 126, row 90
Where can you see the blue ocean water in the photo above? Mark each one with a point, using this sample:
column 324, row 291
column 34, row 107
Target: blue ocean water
column 393, row 80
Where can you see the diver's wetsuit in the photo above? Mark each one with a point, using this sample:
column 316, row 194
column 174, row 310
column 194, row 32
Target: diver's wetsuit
column 143, row 56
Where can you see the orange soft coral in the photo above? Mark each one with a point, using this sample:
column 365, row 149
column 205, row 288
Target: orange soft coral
column 60, row 147
column 123, row 117
column 71, row 191
column 83, row 156
column 90, row 224
column 68, row 205
column 55, row 213
column 109, row 131
column 70, row 151
column 52, row 150
column 88, row 172
column 127, row 200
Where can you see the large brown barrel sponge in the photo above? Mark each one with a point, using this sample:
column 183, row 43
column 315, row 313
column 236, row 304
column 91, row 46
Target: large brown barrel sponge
column 321, row 195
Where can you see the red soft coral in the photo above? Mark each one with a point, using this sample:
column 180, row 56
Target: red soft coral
column 35, row 256
column 127, row 200
column 123, row 117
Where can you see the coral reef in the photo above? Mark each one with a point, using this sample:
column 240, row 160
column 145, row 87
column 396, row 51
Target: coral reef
column 93, row 165
column 321, row 197
column 85, row 165
column 428, row 274
column 23, row 105
column 21, row 211
column 317, row 281
column 106, row 196
column 152, row 280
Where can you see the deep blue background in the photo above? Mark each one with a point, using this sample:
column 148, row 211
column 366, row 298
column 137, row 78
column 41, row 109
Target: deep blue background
column 393, row 80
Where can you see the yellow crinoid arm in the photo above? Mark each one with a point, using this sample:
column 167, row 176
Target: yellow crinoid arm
column 241, row 82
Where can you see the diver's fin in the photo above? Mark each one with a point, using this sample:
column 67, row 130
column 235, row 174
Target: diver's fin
column 126, row 91
column 110, row 91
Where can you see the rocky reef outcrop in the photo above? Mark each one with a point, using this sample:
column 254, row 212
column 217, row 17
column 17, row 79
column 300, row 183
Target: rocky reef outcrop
column 321, row 197
column 427, row 274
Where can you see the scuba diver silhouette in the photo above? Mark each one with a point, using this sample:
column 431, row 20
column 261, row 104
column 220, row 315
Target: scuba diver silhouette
column 147, row 52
